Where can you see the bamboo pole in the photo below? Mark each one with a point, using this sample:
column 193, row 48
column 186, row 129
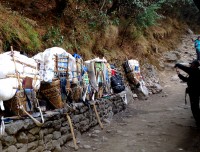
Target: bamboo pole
column 31, row 66
column 97, row 115
column 21, row 76
column 72, row 132
column 17, row 74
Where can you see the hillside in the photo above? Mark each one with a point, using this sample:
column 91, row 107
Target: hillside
column 33, row 26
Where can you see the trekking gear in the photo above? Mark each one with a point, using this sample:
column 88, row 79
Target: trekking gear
column 117, row 83
column 52, row 92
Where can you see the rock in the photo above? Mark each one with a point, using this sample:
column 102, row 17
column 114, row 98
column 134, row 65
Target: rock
column 32, row 145
column 41, row 134
column 106, row 121
column 94, row 135
column 35, row 130
column 19, row 145
column 38, row 149
column 64, row 130
column 96, row 140
column 134, row 95
column 94, row 149
column 23, row 149
column 49, row 146
column 55, row 143
column 31, row 137
column 13, row 129
column 174, row 78
column 108, row 131
column 70, row 144
column 125, row 135
column 171, row 56
column 57, row 149
column 158, row 87
column 8, row 140
column 11, row 149
column 87, row 146
column 104, row 139
column 119, row 131
column 96, row 131
column 22, row 138
column 48, row 138
column 56, row 135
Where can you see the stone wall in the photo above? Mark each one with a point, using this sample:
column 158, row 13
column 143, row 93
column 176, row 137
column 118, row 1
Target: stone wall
column 24, row 135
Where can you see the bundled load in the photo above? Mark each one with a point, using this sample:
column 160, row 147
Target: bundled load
column 132, row 70
column 55, row 60
column 117, row 82
column 21, row 77
column 20, row 69
column 99, row 75
column 58, row 65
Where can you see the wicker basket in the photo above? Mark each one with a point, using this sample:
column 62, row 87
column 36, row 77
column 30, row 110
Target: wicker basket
column 14, row 103
column 52, row 92
column 76, row 93
column 132, row 78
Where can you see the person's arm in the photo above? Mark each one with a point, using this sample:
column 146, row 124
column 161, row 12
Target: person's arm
column 183, row 78
column 184, row 68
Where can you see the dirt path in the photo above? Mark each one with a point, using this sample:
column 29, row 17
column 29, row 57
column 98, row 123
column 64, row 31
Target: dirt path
column 163, row 123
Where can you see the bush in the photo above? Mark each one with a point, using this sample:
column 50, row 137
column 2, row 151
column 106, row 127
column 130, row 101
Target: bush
column 149, row 16
column 53, row 37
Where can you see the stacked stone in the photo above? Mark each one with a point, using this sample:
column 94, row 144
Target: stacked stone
column 24, row 135
column 151, row 79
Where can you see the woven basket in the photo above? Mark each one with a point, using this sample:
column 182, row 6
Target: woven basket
column 132, row 78
column 52, row 92
column 14, row 103
column 99, row 94
column 76, row 94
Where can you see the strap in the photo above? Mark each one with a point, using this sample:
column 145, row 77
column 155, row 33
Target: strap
column 2, row 129
column 35, row 120
column 2, row 106
column 84, row 96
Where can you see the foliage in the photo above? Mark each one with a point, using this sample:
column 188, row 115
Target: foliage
column 149, row 16
column 53, row 36
column 34, row 41
column 17, row 31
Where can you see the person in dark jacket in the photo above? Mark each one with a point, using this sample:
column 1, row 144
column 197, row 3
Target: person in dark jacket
column 193, row 89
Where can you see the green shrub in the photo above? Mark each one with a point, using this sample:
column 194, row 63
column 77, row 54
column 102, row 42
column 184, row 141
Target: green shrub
column 34, row 42
column 149, row 16
column 21, row 35
column 53, row 37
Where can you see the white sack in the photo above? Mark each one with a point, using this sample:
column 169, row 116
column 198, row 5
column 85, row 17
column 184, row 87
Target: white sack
column 7, row 90
column 7, row 61
column 47, row 60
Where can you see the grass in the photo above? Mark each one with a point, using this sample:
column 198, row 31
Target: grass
column 17, row 32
